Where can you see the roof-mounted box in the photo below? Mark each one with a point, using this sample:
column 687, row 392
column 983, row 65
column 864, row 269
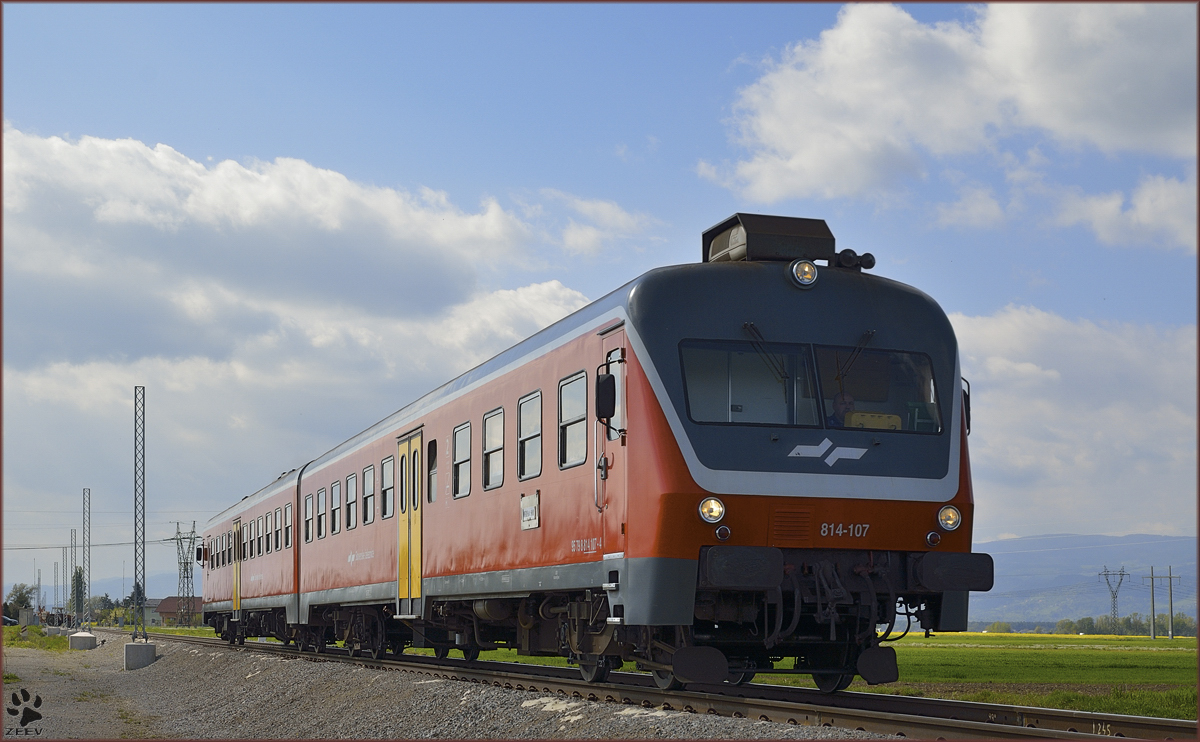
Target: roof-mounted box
column 762, row 237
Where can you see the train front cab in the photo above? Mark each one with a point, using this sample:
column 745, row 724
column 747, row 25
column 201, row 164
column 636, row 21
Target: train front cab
column 805, row 533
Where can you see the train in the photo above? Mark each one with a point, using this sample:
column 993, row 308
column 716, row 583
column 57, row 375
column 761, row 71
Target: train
column 757, row 462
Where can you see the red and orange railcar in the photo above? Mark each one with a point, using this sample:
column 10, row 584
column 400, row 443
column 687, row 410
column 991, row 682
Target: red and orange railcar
column 714, row 467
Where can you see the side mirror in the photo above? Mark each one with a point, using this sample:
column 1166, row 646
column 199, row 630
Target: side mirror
column 200, row 556
column 606, row 396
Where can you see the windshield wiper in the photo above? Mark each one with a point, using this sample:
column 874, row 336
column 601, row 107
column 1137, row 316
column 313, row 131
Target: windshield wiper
column 844, row 368
column 775, row 363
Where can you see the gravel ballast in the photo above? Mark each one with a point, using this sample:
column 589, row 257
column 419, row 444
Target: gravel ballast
column 191, row 692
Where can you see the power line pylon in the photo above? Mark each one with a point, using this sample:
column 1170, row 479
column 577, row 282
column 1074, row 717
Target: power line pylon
column 1107, row 575
column 186, row 546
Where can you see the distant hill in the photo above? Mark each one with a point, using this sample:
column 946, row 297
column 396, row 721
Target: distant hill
column 1047, row 578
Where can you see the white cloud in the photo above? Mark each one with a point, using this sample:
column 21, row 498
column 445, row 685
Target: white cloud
column 976, row 207
column 606, row 223
column 271, row 310
column 856, row 111
column 1080, row 424
column 1161, row 213
column 125, row 182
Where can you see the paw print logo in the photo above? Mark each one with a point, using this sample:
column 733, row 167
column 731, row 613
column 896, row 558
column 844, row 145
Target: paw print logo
column 22, row 707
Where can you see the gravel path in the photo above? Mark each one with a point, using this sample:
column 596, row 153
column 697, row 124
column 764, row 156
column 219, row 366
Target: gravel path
column 194, row 693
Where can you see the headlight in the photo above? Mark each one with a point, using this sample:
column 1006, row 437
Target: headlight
column 712, row 510
column 803, row 272
column 949, row 518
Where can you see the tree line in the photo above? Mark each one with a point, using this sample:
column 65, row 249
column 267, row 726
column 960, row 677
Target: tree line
column 101, row 607
column 1135, row 624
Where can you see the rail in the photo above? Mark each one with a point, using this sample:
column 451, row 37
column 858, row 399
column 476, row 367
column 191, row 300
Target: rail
column 883, row 714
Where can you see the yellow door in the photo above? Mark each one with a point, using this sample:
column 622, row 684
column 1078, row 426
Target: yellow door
column 408, row 499
column 237, row 565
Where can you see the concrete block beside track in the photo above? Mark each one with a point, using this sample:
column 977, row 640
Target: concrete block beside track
column 82, row 640
column 139, row 654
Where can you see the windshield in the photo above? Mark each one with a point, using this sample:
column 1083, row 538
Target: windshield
column 775, row 384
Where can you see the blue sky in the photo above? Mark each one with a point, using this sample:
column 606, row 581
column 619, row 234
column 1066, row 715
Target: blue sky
column 288, row 220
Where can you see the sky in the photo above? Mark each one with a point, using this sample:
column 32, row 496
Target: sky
column 287, row 221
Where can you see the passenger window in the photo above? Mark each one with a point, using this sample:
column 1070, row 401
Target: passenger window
column 529, row 436
column 493, row 449
column 432, row 459
column 308, row 518
column 402, row 494
column 462, row 460
column 267, row 520
column 245, row 542
column 258, row 531
column 416, row 478
column 386, row 487
column 229, row 547
column 335, row 507
column 321, row 513
column 351, row 501
column 287, row 527
column 278, row 528
column 572, row 421
column 368, row 497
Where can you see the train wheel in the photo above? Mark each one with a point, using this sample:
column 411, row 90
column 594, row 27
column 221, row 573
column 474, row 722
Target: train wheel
column 441, row 652
column 594, row 669
column 831, row 682
column 740, row 678
column 470, row 653
column 666, row 680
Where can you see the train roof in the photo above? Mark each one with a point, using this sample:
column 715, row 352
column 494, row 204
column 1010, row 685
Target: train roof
column 741, row 237
column 535, row 344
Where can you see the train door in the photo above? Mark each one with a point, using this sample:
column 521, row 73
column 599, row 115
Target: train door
column 612, row 461
column 408, row 498
column 237, row 565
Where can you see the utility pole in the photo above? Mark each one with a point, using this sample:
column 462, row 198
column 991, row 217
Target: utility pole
column 87, row 557
column 186, row 547
column 139, row 511
column 55, row 586
column 1170, row 578
column 1152, row 614
column 40, row 603
column 1106, row 574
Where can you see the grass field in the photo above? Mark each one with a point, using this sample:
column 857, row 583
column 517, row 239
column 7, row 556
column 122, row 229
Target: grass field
column 1109, row 674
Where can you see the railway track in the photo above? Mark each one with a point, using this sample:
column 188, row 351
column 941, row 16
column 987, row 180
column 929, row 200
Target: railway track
column 884, row 714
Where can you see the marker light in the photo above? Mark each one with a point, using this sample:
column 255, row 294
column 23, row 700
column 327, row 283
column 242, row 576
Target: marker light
column 803, row 272
column 712, row 510
column 949, row 518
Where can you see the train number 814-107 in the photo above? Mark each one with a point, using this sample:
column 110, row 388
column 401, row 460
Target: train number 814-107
column 853, row 530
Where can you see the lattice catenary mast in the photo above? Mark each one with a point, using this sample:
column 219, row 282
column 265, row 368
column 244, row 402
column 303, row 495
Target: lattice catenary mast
column 87, row 555
column 139, row 512
column 76, row 609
